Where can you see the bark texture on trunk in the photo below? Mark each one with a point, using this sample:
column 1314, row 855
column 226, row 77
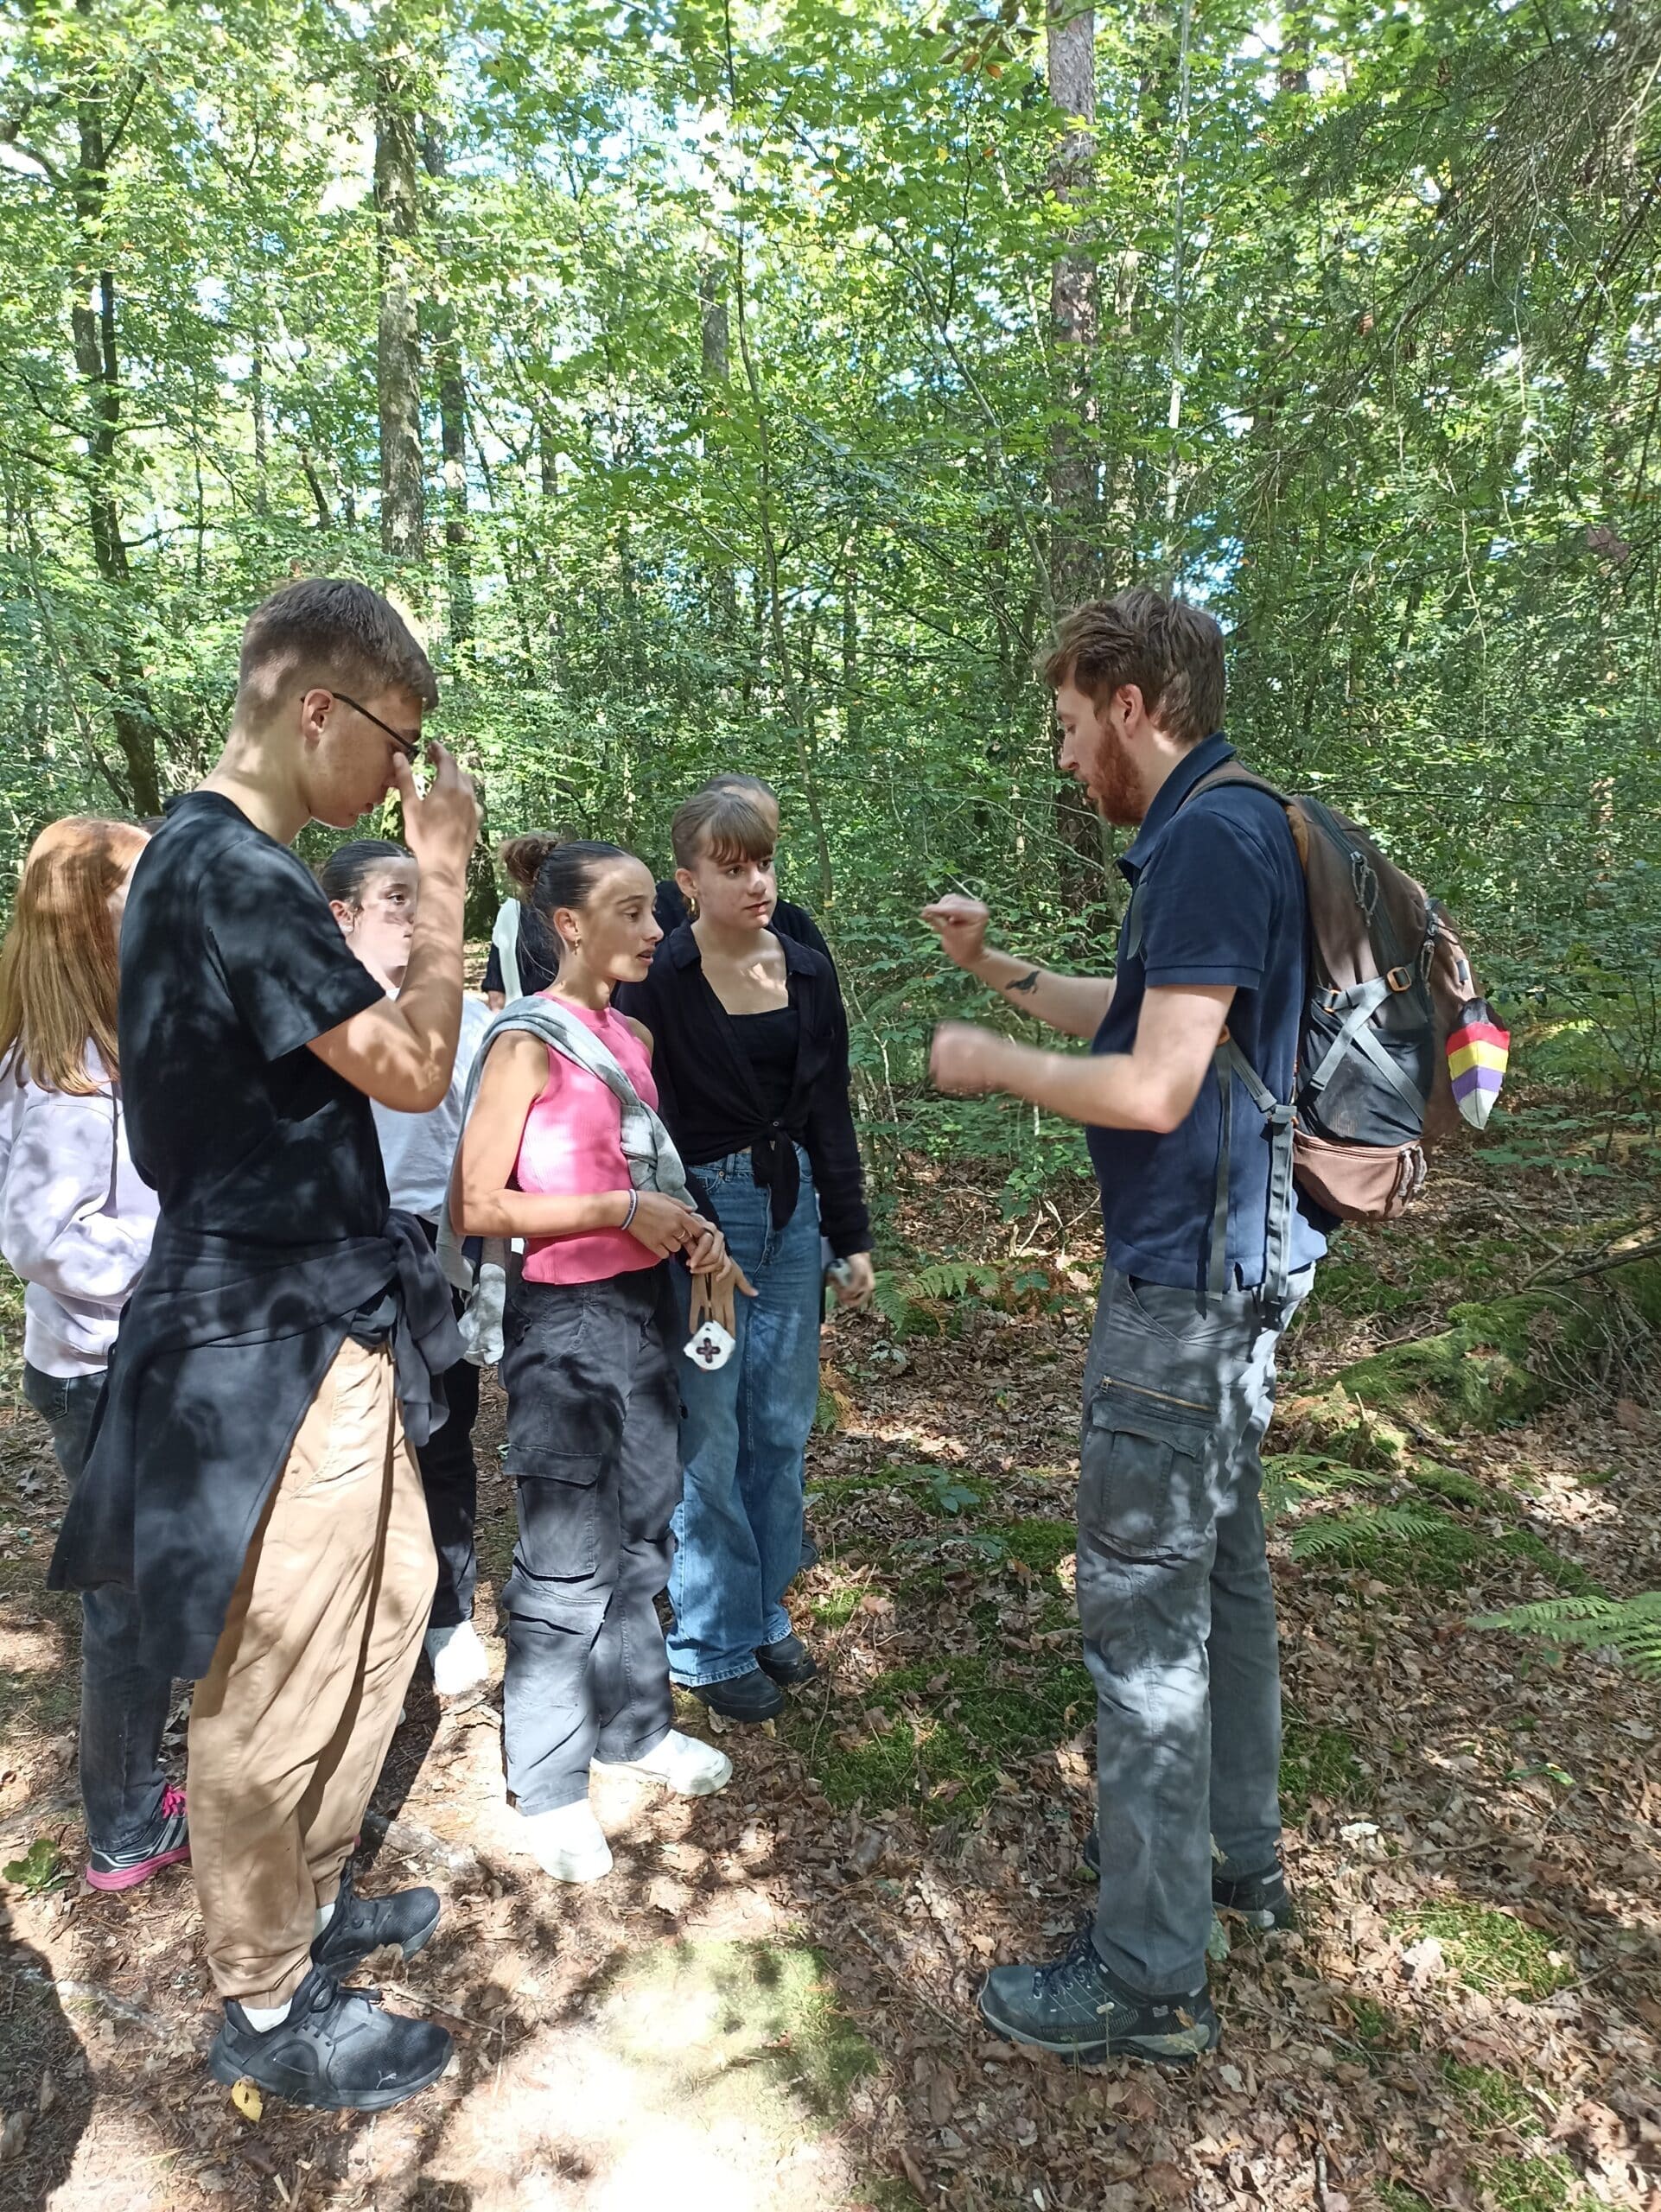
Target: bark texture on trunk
column 398, row 357
column 1075, row 568
column 450, row 371
column 95, row 331
column 716, row 333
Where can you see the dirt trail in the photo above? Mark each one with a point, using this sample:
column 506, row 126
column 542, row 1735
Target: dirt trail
column 770, row 2004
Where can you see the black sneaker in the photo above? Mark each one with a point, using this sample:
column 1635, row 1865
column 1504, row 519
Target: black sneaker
column 750, row 1698
column 789, row 1662
column 337, row 2050
column 360, row 1925
column 1078, row 2009
column 810, row 1549
column 1263, row 1901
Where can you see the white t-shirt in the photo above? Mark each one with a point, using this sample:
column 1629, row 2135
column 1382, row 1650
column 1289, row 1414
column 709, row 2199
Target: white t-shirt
column 419, row 1149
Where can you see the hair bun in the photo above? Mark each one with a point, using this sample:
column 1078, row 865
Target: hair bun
column 522, row 855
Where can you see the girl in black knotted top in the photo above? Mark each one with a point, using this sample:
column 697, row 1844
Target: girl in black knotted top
column 752, row 1067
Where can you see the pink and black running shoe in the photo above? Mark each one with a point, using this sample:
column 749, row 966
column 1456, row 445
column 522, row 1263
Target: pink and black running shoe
column 167, row 1842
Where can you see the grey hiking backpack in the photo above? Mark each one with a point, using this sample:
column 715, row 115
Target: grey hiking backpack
column 1395, row 1044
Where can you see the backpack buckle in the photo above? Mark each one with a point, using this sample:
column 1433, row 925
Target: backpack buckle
column 1399, row 979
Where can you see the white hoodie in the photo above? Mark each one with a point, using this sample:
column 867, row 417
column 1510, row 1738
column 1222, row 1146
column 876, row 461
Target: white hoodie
column 75, row 1220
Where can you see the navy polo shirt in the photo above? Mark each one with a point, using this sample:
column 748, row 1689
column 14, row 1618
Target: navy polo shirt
column 1221, row 900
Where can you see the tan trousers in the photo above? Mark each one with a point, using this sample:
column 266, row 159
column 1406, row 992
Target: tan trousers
column 289, row 1727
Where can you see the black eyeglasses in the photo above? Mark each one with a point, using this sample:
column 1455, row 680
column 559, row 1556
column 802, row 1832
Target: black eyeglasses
column 409, row 746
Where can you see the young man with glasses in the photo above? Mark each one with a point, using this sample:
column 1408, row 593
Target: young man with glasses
column 252, row 1476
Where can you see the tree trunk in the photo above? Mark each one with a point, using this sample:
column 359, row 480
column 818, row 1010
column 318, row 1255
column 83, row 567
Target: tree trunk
column 98, row 361
column 1071, row 63
column 453, row 434
column 853, row 705
column 1074, row 561
column 715, row 331
column 257, row 398
column 398, row 360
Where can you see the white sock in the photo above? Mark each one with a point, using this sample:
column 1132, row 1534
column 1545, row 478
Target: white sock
column 263, row 2017
column 320, row 1920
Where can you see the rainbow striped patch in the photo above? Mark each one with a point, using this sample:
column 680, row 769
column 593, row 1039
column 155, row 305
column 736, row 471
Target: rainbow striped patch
column 1479, row 1051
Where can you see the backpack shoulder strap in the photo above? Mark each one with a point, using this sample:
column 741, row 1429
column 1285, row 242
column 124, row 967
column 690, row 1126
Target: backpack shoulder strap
column 1233, row 772
column 1230, row 1063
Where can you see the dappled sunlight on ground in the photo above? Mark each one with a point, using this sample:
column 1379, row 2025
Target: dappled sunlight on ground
column 770, row 2003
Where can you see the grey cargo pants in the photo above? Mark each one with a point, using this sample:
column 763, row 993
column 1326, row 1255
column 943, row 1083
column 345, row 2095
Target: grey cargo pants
column 1177, row 1612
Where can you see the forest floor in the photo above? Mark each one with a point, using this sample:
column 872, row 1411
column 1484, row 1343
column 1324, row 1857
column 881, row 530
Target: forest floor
column 769, row 2007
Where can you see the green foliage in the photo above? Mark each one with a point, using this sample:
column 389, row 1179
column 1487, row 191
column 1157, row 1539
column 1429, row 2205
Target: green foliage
column 746, row 439
column 909, row 1301
column 1629, row 1627
column 40, row 1871
column 1292, row 1478
column 1359, row 1537
column 1418, row 1545
column 709, row 2011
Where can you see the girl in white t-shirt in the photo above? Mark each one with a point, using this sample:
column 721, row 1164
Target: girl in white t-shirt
column 372, row 887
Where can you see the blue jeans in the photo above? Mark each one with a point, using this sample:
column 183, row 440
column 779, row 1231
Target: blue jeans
column 744, row 1432
column 124, row 1705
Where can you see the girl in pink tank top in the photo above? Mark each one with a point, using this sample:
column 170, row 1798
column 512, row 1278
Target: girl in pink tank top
column 590, row 1341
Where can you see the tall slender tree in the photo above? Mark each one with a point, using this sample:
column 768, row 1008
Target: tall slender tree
column 1075, row 569
column 402, row 510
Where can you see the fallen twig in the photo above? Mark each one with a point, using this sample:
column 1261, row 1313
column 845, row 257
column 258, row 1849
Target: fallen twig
column 951, row 2020
column 94, row 1992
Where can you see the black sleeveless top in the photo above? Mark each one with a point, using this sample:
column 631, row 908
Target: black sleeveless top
column 769, row 1043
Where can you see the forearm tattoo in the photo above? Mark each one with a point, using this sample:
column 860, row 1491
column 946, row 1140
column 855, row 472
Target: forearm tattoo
column 1026, row 984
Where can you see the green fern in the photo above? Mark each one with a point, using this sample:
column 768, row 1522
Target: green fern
column 953, row 1279
column 1628, row 1626
column 900, row 1300
column 1337, row 1535
column 1293, row 1478
column 891, row 1302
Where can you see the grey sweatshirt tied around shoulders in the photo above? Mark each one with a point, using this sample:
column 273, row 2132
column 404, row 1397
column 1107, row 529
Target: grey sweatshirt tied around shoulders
column 649, row 1153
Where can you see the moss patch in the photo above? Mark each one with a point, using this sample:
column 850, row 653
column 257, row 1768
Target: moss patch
column 1464, row 1490
column 704, row 2011
column 1396, row 2196
column 1501, row 1363
column 944, row 1749
column 1490, row 2096
column 1489, row 1951
column 835, row 1608
column 1319, row 1763
column 1373, row 2026
column 1040, row 1544
column 1548, row 2183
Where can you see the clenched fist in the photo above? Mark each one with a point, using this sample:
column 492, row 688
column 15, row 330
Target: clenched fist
column 960, row 925
column 966, row 1061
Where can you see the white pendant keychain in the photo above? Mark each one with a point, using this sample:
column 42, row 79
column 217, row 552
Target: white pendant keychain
column 712, row 1346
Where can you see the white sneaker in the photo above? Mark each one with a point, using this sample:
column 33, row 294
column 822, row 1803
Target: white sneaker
column 568, row 1843
column 460, row 1664
column 684, row 1765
